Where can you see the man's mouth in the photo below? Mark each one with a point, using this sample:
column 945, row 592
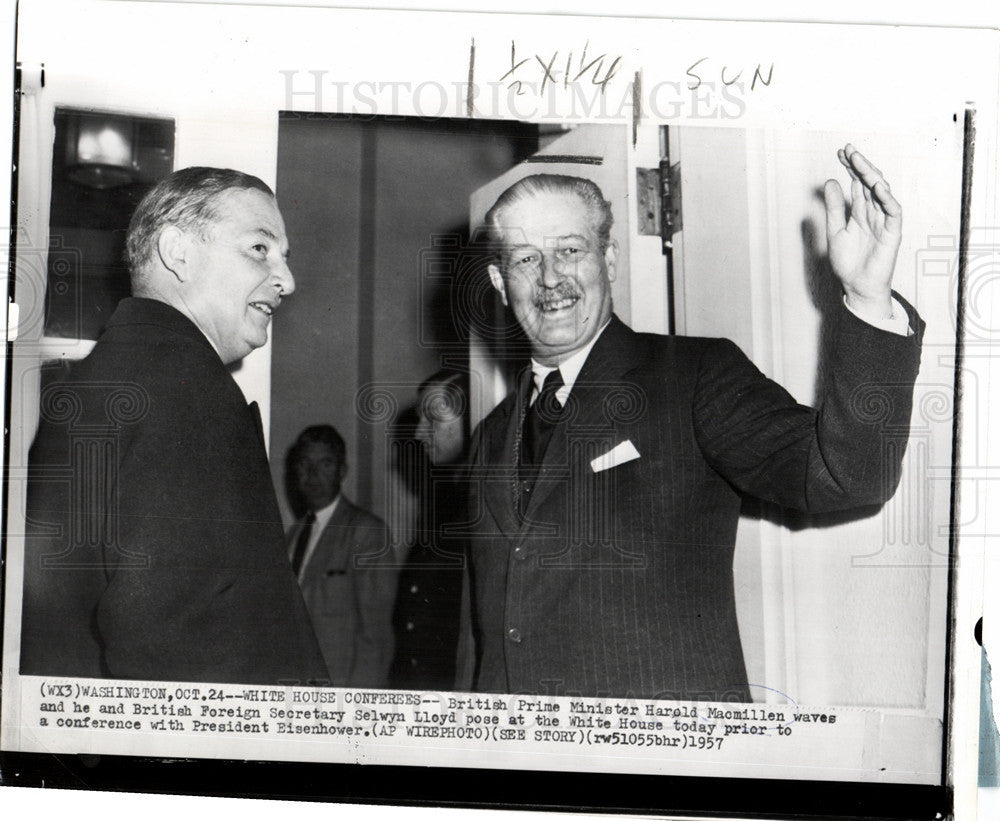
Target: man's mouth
column 556, row 302
column 263, row 307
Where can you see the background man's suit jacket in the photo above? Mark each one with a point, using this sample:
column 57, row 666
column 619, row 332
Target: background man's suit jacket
column 620, row 582
column 349, row 586
column 154, row 547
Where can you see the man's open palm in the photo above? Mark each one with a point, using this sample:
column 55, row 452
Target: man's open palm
column 863, row 237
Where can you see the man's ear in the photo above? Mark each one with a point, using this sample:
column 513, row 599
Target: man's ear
column 611, row 260
column 497, row 279
column 174, row 248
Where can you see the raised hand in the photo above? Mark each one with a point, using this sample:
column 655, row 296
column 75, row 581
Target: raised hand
column 863, row 243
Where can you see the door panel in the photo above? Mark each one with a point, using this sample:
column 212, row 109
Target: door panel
column 847, row 611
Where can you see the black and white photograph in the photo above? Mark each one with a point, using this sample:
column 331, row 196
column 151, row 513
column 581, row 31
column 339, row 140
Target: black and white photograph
column 506, row 400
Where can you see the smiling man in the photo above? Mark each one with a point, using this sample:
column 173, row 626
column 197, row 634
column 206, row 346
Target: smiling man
column 154, row 547
column 557, row 262
column 609, row 482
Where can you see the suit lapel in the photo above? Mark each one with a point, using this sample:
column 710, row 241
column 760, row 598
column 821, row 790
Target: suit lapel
column 500, row 487
column 600, row 386
column 254, row 409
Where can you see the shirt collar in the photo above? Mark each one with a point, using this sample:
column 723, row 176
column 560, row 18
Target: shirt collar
column 569, row 367
column 324, row 514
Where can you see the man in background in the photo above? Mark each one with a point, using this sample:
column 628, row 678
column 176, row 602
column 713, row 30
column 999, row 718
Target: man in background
column 427, row 619
column 340, row 555
column 607, row 485
column 154, row 546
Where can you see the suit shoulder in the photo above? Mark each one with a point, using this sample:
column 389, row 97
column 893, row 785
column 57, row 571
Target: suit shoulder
column 146, row 384
column 165, row 363
column 362, row 518
column 683, row 343
column 692, row 351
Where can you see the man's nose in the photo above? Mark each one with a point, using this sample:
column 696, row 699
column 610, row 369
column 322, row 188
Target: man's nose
column 551, row 270
column 282, row 278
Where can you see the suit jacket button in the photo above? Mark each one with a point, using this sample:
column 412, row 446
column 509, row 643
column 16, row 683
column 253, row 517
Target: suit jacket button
column 409, row 625
column 520, row 553
column 514, row 635
column 414, row 588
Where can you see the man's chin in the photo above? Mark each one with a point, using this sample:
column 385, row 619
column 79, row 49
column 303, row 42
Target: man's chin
column 254, row 341
column 548, row 353
column 556, row 342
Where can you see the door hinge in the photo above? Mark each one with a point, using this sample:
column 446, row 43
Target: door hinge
column 659, row 202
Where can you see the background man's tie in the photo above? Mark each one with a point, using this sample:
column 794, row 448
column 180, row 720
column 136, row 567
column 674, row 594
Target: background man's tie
column 303, row 542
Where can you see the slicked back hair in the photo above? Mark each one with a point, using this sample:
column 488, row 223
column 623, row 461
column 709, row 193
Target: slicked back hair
column 322, row 434
column 587, row 190
column 187, row 199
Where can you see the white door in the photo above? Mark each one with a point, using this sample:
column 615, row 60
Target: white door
column 832, row 611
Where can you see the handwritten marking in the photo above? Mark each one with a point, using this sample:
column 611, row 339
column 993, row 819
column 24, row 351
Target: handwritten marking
column 757, row 75
column 600, row 72
column 730, row 82
column 690, row 73
column 547, row 69
column 470, row 95
column 514, row 66
column 636, row 106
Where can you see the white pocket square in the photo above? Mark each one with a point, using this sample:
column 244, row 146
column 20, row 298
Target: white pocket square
column 618, row 455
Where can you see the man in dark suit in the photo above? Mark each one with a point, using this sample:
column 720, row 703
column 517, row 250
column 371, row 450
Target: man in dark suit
column 428, row 602
column 341, row 557
column 607, row 485
column 154, row 547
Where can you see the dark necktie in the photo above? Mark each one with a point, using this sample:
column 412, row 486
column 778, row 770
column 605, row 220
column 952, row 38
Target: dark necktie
column 540, row 420
column 302, row 543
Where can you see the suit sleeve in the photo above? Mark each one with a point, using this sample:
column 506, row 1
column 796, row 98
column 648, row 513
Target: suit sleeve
column 375, row 592
column 845, row 454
